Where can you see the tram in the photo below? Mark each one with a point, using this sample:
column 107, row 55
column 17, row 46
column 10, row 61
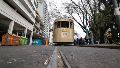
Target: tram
column 63, row 31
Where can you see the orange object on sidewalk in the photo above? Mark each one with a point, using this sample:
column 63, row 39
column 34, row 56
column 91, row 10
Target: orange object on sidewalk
column 9, row 39
column 46, row 42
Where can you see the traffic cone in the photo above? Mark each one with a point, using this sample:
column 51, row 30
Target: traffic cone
column 46, row 42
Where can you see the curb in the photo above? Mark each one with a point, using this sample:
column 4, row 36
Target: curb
column 67, row 65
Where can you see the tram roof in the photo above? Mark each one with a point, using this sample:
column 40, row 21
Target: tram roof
column 64, row 19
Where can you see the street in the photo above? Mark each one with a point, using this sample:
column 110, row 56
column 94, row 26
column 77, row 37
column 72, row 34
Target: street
column 77, row 57
column 60, row 34
column 24, row 56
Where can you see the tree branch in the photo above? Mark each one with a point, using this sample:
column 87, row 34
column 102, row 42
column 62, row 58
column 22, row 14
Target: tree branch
column 85, row 8
column 77, row 22
column 80, row 18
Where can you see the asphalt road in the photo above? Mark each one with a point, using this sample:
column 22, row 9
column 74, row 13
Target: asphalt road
column 24, row 56
column 77, row 57
column 88, row 57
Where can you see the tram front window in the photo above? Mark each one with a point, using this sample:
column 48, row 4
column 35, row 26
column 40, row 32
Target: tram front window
column 64, row 24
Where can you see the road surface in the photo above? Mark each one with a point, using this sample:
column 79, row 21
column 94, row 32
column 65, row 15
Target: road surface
column 88, row 57
column 25, row 56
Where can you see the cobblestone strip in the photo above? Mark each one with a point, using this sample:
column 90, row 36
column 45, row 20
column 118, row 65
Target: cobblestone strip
column 56, row 60
column 53, row 63
column 67, row 65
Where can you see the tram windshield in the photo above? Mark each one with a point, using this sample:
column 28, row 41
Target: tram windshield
column 64, row 24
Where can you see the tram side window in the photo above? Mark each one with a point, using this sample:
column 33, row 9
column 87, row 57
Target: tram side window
column 65, row 24
column 58, row 24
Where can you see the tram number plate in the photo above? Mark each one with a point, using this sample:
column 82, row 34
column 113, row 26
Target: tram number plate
column 64, row 34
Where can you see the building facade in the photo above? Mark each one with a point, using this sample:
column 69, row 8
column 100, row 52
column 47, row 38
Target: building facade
column 20, row 17
column 44, row 16
column 51, row 34
column 46, row 21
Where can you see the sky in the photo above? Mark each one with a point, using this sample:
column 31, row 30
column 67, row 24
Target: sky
column 60, row 6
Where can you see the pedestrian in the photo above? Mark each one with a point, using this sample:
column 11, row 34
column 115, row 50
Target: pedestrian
column 89, row 40
column 80, row 41
column 75, row 40
column 109, row 37
column 86, row 40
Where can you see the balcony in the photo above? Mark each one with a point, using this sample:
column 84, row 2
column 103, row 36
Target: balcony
column 10, row 13
column 33, row 3
column 37, row 25
column 28, row 7
column 16, row 4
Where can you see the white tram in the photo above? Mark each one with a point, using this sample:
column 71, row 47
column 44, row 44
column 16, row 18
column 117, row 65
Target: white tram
column 63, row 31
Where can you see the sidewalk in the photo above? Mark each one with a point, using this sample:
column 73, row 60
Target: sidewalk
column 112, row 46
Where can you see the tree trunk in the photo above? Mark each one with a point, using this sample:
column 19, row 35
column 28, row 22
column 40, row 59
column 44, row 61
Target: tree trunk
column 117, row 13
column 102, row 31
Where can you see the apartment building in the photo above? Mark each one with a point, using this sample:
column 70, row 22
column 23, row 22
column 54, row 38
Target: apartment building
column 44, row 16
column 46, row 21
column 20, row 17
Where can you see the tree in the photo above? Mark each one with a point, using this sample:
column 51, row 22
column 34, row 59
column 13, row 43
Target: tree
column 54, row 12
column 75, row 9
column 95, row 18
column 85, row 10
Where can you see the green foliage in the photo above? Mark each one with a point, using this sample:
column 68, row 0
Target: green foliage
column 102, row 20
